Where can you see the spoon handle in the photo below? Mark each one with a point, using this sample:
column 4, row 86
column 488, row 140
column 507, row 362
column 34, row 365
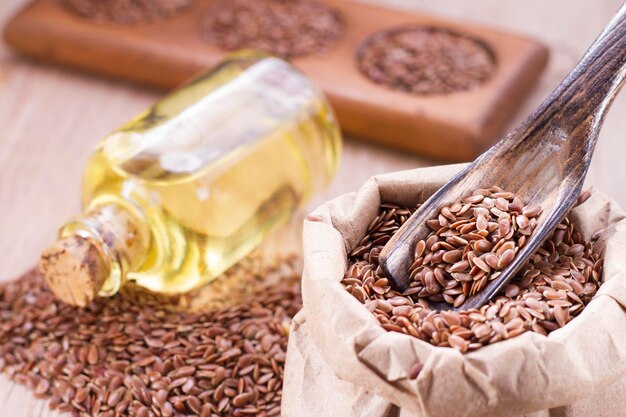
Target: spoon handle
column 545, row 159
column 579, row 104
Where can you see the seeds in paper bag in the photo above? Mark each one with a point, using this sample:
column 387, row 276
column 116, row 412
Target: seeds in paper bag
column 139, row 354
column 550, row 290
column 285, row 28
column 425, row 60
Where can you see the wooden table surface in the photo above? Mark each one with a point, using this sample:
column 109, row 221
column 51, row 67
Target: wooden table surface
column 50, row 119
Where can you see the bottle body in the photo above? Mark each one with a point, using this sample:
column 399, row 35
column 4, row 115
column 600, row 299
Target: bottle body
column 206, row 173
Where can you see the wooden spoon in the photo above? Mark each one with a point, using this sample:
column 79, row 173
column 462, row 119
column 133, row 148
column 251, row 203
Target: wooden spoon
column 545, row 161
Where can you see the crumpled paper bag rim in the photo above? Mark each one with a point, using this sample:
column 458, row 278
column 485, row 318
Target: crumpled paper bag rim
column 523, row 374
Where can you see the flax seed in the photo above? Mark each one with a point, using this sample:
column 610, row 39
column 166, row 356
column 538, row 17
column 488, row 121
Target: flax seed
column 126, row 11
column 283, row 28
column 540, row 298
column 111, row 357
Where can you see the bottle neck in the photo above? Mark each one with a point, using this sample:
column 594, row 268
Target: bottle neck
column 94, row 253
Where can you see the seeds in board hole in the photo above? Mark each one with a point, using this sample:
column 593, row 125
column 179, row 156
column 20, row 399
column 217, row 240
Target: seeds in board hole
column 282, row 28
column 426, row 60
column 126, row 12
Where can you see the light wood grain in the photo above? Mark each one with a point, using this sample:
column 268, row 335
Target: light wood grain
column 50, row 120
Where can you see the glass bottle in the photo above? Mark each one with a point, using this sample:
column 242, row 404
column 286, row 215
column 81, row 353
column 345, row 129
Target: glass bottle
column 190, row 186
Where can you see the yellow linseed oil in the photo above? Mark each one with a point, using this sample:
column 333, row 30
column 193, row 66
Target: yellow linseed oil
column 200, row 178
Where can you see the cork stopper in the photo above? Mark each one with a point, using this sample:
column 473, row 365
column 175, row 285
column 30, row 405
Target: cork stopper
column 75, row 269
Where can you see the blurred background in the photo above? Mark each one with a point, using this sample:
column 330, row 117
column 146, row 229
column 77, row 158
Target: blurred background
column 51, row 118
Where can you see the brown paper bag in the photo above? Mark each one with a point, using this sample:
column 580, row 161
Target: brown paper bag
column 342, row 363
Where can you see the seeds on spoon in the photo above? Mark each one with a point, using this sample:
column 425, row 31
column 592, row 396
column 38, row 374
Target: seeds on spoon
column 475, row 245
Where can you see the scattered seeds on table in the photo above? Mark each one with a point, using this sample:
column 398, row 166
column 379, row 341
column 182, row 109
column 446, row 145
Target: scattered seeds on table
column 141, row 354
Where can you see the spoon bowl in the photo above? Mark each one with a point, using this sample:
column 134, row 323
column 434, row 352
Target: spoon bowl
column 544, row 161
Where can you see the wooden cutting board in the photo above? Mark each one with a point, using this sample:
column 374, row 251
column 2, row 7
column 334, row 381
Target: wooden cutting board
column 452, row 127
